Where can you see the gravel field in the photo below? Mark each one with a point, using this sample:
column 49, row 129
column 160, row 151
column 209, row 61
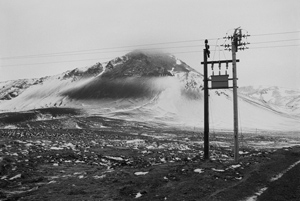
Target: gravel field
column 95, row 158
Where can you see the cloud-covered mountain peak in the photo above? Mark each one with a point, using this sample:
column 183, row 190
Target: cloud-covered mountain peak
column 140, row 63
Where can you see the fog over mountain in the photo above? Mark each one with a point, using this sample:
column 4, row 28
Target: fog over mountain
column 153, row 87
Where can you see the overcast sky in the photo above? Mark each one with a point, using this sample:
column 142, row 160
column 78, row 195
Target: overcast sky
column 57, row 32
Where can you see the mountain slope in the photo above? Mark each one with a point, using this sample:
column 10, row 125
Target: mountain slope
column 275, row 98
column 139, row 63
column 154, row 87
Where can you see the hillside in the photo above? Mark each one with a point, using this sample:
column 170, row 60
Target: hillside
column 152, row 87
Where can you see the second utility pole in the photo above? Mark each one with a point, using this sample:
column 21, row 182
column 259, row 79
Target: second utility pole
column 206, row 106
column 235, row 100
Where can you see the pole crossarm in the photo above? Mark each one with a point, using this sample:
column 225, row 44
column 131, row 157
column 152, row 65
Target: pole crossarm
column 221, row 61
column 221, row 88
column 220, row 81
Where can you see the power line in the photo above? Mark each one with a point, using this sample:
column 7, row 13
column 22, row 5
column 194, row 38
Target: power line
column 67, row 53
column 86, row 53
column 55, row 62
column 184, row 52
column 249, row 48
column 69, row 61
column 275, row 41
column 274, row 46
column 160, row 48
column 279, row 33
column 107, row 48
column 148, row 49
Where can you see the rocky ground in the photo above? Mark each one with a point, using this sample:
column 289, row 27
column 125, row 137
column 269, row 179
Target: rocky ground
column 95, row 158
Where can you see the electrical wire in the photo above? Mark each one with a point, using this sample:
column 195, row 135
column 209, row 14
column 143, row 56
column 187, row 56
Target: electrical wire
column 242, row 139
column 215, row 49
column 69, row 61
column 85, row 52
column 211, row 113
column 278, row 33
column 185, row 52
column 130, row 46
column 275, row 41
column 90, row 59
column 41, row 63
column 147, row 49
column 274, row 46
column 107, row 48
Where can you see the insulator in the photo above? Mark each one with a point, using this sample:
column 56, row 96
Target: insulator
column 219, row 72
column 212, row 66
column 219, row 65
column 226, row 72
column 226, row 65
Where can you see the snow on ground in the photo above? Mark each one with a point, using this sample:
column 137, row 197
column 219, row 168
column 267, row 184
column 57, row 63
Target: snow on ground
column 276, row 98
column 42, row 95
column 141, row 173
column 178, row 62
column 199, row 170
column 177, row 103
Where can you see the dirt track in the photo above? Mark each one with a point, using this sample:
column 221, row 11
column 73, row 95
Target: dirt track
column 287, row 188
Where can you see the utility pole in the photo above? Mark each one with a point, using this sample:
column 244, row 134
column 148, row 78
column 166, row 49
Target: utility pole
column 206, row 106
column 236, row 39
column 221, row 82
column 234, row 43
column 218, row 82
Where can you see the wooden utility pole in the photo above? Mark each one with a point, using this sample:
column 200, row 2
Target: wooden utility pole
column 235, row 99
column 236, row 44
column 218, row 82
column 206, row 106
column 221, row 82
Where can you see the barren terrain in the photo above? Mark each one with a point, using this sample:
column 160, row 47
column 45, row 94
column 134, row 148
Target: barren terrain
column 96, row 158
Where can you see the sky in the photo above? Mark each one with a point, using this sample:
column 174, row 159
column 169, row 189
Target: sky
column 41, row 38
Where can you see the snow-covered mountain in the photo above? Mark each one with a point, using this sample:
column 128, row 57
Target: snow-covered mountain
column 281, row 100
column 153, row 87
